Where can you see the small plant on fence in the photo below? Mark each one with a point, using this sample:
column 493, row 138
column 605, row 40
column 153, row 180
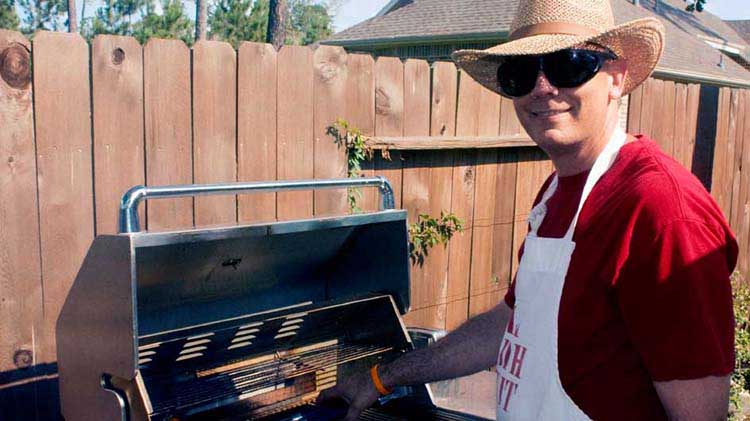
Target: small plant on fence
column 424, row 234
column 428, row 232
column 357, row 149
column 741, row 375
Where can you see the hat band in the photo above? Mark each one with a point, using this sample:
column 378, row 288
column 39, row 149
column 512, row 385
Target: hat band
column 547, row 28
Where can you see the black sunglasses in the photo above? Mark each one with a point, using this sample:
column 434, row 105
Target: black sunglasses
column 569, row 68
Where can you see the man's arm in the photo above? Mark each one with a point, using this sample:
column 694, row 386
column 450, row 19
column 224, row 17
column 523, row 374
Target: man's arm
column 698, row 399
column 470, row 348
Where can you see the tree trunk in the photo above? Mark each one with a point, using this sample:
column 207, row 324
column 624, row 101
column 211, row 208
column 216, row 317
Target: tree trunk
column 201, row 19
column 72, row 16
column 276, row 23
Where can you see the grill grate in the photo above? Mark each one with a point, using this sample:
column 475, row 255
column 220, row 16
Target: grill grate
column 245, row 379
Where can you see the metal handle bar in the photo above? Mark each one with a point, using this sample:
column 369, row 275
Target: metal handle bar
column 129, row 205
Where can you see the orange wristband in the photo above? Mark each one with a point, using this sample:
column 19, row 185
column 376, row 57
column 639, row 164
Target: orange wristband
column 376, row 381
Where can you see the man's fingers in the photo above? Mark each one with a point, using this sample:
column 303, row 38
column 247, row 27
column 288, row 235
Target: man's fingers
column 328, row 394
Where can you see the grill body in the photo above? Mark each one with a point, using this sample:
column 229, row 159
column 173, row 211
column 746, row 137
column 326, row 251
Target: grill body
column 241, row 322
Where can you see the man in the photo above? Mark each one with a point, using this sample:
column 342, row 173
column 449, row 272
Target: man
column 621, row 307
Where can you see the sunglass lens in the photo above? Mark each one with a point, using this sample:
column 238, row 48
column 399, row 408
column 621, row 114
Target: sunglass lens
column 571, row 68
column 517, row 75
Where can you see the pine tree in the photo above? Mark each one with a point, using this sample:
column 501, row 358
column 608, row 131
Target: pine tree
column 43, row 14
column 8, row 16
column 309, row 22
column 171, row 23
column 235, row 21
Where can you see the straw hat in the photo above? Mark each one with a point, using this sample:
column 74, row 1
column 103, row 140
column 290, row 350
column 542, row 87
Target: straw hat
column 546, row 26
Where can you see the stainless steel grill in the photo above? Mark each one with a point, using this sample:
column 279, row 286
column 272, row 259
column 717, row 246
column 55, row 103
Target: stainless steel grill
column 240, row 322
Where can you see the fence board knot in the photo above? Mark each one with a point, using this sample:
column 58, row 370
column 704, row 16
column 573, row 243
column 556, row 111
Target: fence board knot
column 14, row 66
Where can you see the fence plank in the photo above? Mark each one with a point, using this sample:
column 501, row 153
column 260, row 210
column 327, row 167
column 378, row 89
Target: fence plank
column 256, row 128
column 634, row 110
column 117, row 84
column 330, row 67
column 462, row 203
column 721, row 183
column 484, row 203
column 741, row 214
column 663, row 120
column 295, row 128
column 736, row 133
column 653, row 90
column 742, row 230
column 434, row 287
column 389, row 118
column 509, row 123
column 691, row 116
column 417, row 175
column 360, row 104
column 168, row 121
column 63, row 134
column 679, row 125
column 214, row 128
column 20, row 275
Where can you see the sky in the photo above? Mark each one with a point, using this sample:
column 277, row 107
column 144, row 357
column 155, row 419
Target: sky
column 355, row 11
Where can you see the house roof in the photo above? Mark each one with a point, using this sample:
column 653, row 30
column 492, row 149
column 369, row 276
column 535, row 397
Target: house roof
column 742, row 27
column 687, row 51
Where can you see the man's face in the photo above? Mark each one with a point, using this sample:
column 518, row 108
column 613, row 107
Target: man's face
column 559, row 119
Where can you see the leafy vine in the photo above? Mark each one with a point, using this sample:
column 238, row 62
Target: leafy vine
column 427, row 231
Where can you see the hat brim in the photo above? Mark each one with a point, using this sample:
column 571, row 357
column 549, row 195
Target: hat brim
column 639, row 42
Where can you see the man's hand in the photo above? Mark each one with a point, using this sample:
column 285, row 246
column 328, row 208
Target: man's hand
column 470, row 348
column 358, row 391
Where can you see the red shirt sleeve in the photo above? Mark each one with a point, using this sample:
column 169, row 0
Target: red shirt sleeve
column 676, row 301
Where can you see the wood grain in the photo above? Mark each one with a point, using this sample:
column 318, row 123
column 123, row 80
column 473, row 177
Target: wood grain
column 214, row 128
column 691, row 125
column 330, row 87
column 63, row 138
column 723, row 154
column 462, row 203
column 360, row 112
column 256, row 128
column 168, row 122
column 20, row 274
column 736, row 133
column 434, row 143
column 389, row 118
column 679, row 125
column 663, row 122
column 119, row 158
column 742, row 227
column 434, row 286
column 295, row 129
column 416, row 176
column 634, row 110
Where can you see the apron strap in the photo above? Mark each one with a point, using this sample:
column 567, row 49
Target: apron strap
column 603, row 162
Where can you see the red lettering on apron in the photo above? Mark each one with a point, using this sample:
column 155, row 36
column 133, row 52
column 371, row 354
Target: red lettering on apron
column 518, row 354
column 506, row 389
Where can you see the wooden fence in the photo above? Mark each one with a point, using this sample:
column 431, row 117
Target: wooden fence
column 91, row 121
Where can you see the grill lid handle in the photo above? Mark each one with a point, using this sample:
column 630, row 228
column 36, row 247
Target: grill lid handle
column 129, row 205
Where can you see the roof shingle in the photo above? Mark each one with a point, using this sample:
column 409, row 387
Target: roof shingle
column 742, row 27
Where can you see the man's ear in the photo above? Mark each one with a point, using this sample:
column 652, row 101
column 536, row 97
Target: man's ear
column 617, row 71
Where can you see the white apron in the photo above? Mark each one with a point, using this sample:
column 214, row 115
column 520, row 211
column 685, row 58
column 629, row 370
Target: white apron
column 529, row 385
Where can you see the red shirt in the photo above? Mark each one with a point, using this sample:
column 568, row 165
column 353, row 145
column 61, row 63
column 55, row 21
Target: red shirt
column 647, row 296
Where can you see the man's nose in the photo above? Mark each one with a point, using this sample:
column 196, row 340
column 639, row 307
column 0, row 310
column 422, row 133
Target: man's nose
column 543, row 87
